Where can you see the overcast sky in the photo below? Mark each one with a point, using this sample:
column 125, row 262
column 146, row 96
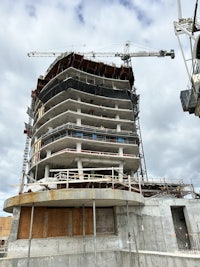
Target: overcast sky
column 170, row 136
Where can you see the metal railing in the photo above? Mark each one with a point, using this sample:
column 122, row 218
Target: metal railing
column 3, row 250
column 67, row 177
column 94, row 152
column 82, row 135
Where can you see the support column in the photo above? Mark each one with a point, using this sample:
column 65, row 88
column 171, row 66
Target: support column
column 80, row 166
column 15, row 225
column 78, row 147
column 118, row 127
column 120, row 151
column 36, row 172
column 32, row 176
column 121, row 171
column 46, row 171
column 48, row 153
column 78, row 121
column 79, row 161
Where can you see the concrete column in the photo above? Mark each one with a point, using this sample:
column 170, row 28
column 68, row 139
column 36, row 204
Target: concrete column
column 78, row 110
column 116, row 106
column 117, row 117
column 120, row 151
column 46, row 171
column 78, row 147
column 15, row 225
column 118, row 128
column 80, row 168
column 48, row 153
column 132, row 173
column 79, row 99
column 79, row 162
column 78, row 121
column 121, row 170
column 32, row 174
column 79, row 165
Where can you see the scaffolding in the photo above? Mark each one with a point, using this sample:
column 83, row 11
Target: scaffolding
column 111, row 178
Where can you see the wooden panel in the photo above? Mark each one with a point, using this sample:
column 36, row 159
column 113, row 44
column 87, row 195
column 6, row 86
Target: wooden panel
column 57, row 222
column 105, row 221
column 5, row 226
column 39, row 230
column 24, row 223
column 77, row 221
column 88, row 221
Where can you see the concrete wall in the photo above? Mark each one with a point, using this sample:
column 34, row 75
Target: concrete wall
column 107, row 259
column 147, row 229
column 54, row 246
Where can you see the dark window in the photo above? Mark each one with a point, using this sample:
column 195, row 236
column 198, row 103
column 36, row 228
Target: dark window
column 180, row 227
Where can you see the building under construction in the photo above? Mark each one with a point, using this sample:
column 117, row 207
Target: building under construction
column 85, row 199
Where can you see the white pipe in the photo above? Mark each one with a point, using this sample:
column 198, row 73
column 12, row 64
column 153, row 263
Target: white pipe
column 30, row 235
column 179, row 9
column 95, row 234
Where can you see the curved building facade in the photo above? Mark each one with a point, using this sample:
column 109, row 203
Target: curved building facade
column 84, row 124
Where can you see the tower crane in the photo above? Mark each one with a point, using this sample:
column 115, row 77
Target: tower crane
column 125, row 56
column 190, row 27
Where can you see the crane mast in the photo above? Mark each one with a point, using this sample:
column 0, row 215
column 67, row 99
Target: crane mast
column 190, row 27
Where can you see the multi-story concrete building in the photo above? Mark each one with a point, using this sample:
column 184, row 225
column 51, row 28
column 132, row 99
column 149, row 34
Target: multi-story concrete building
column 83, row 119
column 84, row 202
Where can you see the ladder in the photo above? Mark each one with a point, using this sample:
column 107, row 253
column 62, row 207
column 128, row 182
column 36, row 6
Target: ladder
column 28, row 132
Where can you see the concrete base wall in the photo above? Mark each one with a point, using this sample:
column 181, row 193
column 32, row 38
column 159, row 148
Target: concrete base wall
column 62, row 246
column 147, row 228
column 107, row 259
